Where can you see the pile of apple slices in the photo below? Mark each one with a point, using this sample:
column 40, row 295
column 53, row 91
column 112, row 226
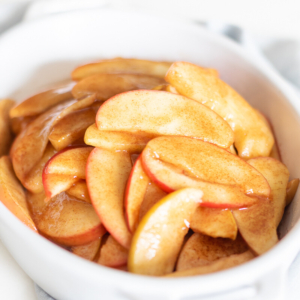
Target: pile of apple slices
column 148, row 167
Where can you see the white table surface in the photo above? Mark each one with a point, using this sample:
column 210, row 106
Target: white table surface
column 270, row 18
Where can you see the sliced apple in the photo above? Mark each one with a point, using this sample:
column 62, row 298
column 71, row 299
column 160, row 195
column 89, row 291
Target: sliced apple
column 5, row 132
column 106, row 175
column 71, row 128
column 252, row 136
column 106, row 86
column 291, row 190
column 162, row 113
column 80, row 191
column 201, row 250
column 33, row 181
column 158, row 238
column 113, row 140
column 112, row 254
column 166, row 88
column 28, row 148
column 41, row 102
column 135, row 191
column 218, row 265
column 64, row 169
column 12, row 194
column 207, row 162
column 36, row 204
column 217, row 223
column 152, row 196
column 121, row 66
column 88, row 251
column 19, row 124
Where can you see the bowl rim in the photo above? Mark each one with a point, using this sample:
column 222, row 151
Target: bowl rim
column 230, row 278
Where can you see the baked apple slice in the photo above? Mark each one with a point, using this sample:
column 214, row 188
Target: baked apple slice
column 106, row 86
column 12, row 194
column 80, row 191
column 39, row 103
column 106, row 175
column 201, row 250
column 159, row 237
column 121, row 66
column 252, row 136
column 162, row 113
column 88, row 251
column 116, row 140
column 291, row 190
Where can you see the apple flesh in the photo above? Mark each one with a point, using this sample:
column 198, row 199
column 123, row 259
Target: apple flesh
column 112, row 254
column 253, row 137
column 291, row 190
column 12, row 194
column 201, row 250
column 161, row 113
column 166, row 87
column 216, row 223
column 121, row 66
column 106, row 86
column 106, row 175
column 80, row 191
column 64, row 169
column 113, row 140
column 218, row 265
column 88, row 251
column 158, row 238
column 41, row 102
column 136, row 188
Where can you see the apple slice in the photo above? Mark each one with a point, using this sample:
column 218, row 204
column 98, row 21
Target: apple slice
column 205, row 162
column 162, row 113
column 217, row 223
column 28, row 148
column 71, row 128
column 70, row 222
column 166, row 88
column 152, row 196
column 113, row 140
column 122, row 65
column 291, row 190
column 252, row 136
column 19, row 124
column 106, row 175
column 201, row 250
column 106, row 86
column 135, row 191
column 158, row 238
column 39, row 103
column 80, row 191
column 112, row 254
column 64, row 169
column 12, row 194
column 33, row 181
column 36, row 204
column 5, row 132
column 88, row 251
column 218, row 265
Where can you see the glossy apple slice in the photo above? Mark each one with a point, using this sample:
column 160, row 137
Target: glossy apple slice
column 106, row 86
column 5, row 132
column 112, row 254
column 70, row 222
column 252, row 136
column 135, row 191
column 33, row 181
column 291, row 190
column 80, row 191
column 166, row 88
column 162, row 113
column 64, row 169
column 36, row 204
column 19, row 124
column 88, row 251
column 71, row 128
column 217, row 223
column 28, row 148
column 158, row 238
column 201, row 250
column 106, row 175
column 218, row 265
column 12, row 194
column 114, row 140
column 121, row 66
column 41, row 102
column 205, row 162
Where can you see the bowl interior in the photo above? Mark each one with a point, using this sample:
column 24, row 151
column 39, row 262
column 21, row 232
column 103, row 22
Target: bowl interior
column 43, row 52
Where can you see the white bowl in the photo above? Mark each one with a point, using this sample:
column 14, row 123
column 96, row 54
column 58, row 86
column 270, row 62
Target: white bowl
column 38, row 53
